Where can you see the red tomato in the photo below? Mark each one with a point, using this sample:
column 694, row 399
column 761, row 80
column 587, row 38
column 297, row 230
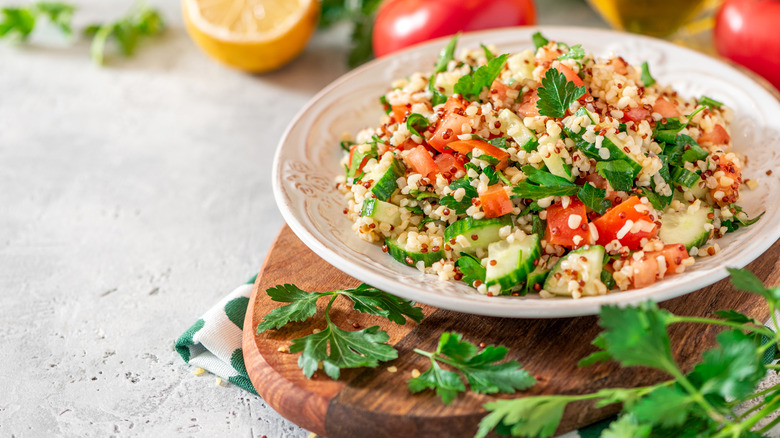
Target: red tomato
column 718, row 135
column 402, row 23
column 495, row 201
column 420, row 160
column 637, row 114
column 614, row 220
column 571, row 76
column 448, row 165
column 527, row 107
column 399, row 112
column 665, row 108
column 746, row 32
column 451, row 125
column 646, row 269
column 558, row 230
column 466, row 146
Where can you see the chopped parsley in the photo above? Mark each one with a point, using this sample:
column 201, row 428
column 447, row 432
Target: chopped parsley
column 415, row 123
column 471, row 85
column 619, row 174
column 488, row 54
column 647, row 79
column 447, row 54
column 539, row 40
column 575, row 52
column 459, row 207
column 710, row 102
column 594, row 198
column 471, row 268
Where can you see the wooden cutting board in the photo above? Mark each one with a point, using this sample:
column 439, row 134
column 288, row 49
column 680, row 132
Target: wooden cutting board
column 377, row 403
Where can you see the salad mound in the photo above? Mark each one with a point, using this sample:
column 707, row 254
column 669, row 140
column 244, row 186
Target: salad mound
column 547, row 171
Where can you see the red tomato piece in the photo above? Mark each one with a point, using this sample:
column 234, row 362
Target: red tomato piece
column 495, row 201
column 559, row 221
column 527, row 107
column 399, row 112
column 448, row 165
column 674, row 254
column 637, row 114
column 665, row 108
column 362, row 163
column 466, row 146
column 451, row 125
column 453, row 104
column 421, row 162
column 718, row 135
column 645, row 271
column 614, row 224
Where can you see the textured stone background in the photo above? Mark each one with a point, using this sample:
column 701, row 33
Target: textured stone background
column 132, row 198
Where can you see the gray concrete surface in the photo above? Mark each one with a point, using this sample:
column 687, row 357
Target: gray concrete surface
column 132, row 198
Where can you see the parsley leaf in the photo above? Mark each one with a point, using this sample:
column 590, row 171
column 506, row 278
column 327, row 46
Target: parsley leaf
column 420, row 195
column 732, row 369
column 527, row 416
column 527, row 190
column 626, row 427
column 141, row 21
column 363, row 348
column 447, row 54
column 575, row 52
column 488, row 54
column 416, row 122
column 333, row 347
column 556, row 94
column 545, row 179
column 437, row 97
column 667, row 406
column 471, row 268
column 594, row 198
column 480, row 368
column 647, row 80
column 20, row 22
column 619, row 174
column 471, row 85
column 736, row 222
column 459, row 207
column 539, row 40
column 743, row 279
column 302, row 306
column 710, row 102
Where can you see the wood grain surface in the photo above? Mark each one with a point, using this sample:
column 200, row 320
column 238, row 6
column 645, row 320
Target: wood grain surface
column 377, row 403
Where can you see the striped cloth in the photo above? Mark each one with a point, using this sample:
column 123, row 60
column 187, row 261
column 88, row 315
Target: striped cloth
column 213, row 343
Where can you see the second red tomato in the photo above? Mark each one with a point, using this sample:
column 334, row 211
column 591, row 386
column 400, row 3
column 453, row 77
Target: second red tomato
column 402, row 23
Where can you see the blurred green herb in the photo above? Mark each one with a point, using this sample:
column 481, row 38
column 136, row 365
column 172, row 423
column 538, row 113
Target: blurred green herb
column 701, row 403
column 647, row 79
column 361, row 14
column 141, row 21
column 19, row 22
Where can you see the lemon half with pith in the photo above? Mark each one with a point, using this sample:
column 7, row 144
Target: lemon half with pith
column 251, row 35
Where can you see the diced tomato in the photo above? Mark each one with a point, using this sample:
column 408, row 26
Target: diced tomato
column 665, row 108
column 612, row 224
column 399, row 112
column 645, row 271
column 571, row 76
column 451, row 125
column 362, row 163
column 448, row 164
column 495, row 201
column 498, row 91
column 466, row 146
column 637, row 114
column 420, row 160
column 718, row 135
column 527, row 107
column 559, row 219
column 619, row 65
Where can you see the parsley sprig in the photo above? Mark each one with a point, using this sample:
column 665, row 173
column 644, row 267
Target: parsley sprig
column 556, row 94
column 471, row 85
column 141, row 21
column 481, row 369
column 19, row 22
column 334, row 347
column 701, row 402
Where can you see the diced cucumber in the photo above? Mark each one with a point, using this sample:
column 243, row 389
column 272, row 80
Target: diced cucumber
column 557, row 166
column 385, row 183
column 537, row 276
column 513, row 126
column 479, row 232
column 513, row 261
column 382, row 211
column 357, row 158
column 578, row 271
column 522, row 65
column 686, row 227
column 397, row 249
column 684, row 177
column 611, row 142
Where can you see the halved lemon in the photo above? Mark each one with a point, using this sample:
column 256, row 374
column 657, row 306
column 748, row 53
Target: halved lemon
column 251, row 35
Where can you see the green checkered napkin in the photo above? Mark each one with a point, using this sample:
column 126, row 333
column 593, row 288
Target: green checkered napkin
column 214, row 344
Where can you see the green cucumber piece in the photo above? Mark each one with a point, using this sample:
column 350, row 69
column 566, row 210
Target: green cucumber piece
column 385, row 183
column 686, row 227
column 485, row 231
column 537, row 276
column 556, row 165
column 513, row 261
column 513, row 126
column 357, row 159
column 396, row 248
column 381, row 211
column 684, row 177
column 581, row 265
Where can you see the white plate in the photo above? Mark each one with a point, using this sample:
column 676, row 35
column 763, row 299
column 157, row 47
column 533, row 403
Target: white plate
column 307, row 161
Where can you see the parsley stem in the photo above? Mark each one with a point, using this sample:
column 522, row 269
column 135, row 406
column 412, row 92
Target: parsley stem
column 773, row 366
column 750, row 422
column 424, row 353
column 762, row 330
column 753, row 396
column 334, row 294
column 694, row 393
column 769, row 426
